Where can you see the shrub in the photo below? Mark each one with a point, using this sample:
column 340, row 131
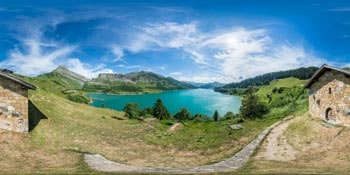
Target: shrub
column 159, row 110
column 147, row 112
column 183, row 115
column 79, row 98
column 131, row 110
column 201, row 118
column 230, row 115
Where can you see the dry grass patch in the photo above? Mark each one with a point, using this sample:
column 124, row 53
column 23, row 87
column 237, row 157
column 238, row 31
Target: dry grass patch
column 321, row 150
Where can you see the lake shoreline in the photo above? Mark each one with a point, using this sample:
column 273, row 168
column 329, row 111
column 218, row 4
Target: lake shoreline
column 201, row 101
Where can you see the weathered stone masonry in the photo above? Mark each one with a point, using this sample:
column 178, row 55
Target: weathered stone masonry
column 329, row 95
column 14, row 103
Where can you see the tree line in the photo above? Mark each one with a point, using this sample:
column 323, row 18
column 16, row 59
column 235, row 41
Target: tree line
column 252, row 108
column 160, row 112
column 301, row 73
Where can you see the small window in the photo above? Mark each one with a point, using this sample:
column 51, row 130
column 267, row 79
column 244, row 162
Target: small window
column 329, row 90
column 318, row 102
column 314, row 97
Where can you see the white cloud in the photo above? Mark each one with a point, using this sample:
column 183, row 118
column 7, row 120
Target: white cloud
column 36, row 57
column 162, row 67
column 171, row 35
column 225, row 55
column 133, row 67
column 175, row 73
column 340, row 9
column 118, row 53
column 84, row 69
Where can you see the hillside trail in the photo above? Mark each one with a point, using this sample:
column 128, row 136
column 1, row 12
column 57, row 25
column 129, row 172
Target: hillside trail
column 100, row 163
column 275, row 146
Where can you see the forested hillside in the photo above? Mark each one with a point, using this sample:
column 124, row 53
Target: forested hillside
column 300, row 73
column 135, row 82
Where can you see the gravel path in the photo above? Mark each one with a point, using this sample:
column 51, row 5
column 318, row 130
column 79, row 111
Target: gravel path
column 100, row 163
column 276, row 147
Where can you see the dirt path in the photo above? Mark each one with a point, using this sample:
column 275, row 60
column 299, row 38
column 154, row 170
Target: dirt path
column 275, row 146
column 100, row 163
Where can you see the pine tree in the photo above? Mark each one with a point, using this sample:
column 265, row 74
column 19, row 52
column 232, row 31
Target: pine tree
column 216, row 115
column 252, row 107
column 159, row 110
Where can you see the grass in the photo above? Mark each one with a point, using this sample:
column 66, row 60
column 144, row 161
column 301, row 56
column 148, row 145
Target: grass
column 286, row 83
column 56, row 144
column 70, row 129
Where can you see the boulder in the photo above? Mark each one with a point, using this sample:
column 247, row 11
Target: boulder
column 236, row 127
column 175, row 127
column 150, row 119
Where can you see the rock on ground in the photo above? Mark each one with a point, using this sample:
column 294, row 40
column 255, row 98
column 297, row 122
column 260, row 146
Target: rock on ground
column 175, row 127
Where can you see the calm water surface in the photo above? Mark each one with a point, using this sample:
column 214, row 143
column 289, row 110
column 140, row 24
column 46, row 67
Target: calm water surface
column 204, row 101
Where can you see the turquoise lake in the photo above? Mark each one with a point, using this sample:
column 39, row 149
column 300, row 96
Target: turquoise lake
column 204, row 101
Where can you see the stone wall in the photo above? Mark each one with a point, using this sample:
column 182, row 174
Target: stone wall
column 13, row 106
column 331, row 92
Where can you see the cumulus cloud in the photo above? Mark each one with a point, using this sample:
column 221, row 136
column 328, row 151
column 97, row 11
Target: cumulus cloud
column 223, row 55
column 84, row 69
column 35, row 57
column 227, row 55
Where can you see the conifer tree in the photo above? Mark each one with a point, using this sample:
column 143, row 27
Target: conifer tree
column 159, row 110
column 216, row 115
column 252, row 107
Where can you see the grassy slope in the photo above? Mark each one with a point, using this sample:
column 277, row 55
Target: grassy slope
column 286, row 83
column 56, row 144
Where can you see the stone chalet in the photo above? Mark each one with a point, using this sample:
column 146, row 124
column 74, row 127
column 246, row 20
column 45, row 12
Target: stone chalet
column 14, row 103
column 329, row 95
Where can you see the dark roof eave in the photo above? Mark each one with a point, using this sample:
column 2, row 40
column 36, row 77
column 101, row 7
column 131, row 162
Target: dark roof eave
column 320, row 71
column 21, row 82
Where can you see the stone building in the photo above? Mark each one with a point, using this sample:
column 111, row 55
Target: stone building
column 14, row 103
column 329, row 95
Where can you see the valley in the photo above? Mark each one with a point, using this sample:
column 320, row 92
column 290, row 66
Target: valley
column 65, row 130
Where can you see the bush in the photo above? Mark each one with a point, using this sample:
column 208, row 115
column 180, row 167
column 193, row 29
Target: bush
column 201, row 118
column 79, row 98
column 230, row 115
column 131, row 110
column 147, row 112
column 183, row 115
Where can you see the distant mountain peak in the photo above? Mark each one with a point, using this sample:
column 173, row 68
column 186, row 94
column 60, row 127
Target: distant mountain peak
column 65, row 71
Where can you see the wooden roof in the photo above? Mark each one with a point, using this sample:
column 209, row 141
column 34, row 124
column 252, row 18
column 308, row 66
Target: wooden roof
column 19, row 81
column 320, row 72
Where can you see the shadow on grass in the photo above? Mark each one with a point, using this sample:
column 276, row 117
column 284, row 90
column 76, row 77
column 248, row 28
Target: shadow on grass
column 35, row 115
column 118, row 118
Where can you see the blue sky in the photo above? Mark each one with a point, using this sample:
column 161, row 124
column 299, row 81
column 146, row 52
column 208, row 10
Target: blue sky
column 200, row 41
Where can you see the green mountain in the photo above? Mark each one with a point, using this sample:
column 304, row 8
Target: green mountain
column 300, row 73
column 138, row 82
column 207, row 85
column 65, row 78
